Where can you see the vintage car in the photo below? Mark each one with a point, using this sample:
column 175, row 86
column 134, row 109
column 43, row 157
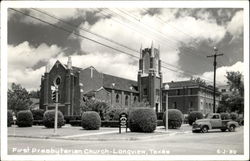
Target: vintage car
column 214, row 121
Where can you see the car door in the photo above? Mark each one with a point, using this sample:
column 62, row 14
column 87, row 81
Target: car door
column 216, row 121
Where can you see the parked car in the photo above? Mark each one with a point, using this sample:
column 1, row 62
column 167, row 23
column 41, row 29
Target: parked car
column 214, row 121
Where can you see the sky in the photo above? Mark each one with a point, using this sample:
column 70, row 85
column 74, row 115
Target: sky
column 185, row 37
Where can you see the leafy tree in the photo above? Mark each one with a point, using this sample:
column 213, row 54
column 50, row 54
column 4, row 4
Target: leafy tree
column 34, row 94
column 94, row 105
column 235, row 81
column 199, row 81
column 233, row 102
column 143, row 103
column 18, row 98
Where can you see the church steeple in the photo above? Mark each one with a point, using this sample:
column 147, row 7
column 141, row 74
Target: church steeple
column 150, row 77
column 69, row 64
column 141, row 52
column 152, row 49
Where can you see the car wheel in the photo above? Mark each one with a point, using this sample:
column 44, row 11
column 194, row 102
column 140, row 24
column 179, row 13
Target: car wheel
column 223, row 130
column 231, row 128
column 204, row 129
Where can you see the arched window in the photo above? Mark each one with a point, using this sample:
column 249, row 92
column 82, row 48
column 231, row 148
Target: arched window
column 117, row 98
column 126, row 101
column 135, row 100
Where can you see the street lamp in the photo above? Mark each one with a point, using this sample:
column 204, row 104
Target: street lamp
column 113, row 85
column 166, row 87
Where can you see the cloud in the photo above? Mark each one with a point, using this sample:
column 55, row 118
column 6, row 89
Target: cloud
column 59, row 13
column 28, row 77
column 221, row 72
column 26, row 56
column 235, row 26
column 22, row 59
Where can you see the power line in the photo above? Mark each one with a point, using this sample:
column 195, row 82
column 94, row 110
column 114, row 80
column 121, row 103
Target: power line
column 86, row 30
column 158, row 32
column 43, row 12
column 92, row 33
column 61, row 28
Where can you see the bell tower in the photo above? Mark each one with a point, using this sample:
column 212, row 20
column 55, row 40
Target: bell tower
column 150, row 77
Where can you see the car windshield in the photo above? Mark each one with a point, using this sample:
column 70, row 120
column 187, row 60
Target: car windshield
column 209, row 116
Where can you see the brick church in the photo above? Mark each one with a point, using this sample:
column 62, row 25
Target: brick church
column 77, row 84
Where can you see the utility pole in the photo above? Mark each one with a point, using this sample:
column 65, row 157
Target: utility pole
column 215, row 63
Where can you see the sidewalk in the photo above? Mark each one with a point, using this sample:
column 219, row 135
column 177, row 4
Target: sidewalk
column 103, row 134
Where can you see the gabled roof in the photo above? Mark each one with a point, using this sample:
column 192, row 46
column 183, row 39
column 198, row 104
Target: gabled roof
column 119, row 83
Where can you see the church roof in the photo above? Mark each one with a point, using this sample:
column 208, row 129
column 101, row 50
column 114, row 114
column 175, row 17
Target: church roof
column 119, row 83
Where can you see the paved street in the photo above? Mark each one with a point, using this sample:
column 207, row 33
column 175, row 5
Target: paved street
column 214, row 142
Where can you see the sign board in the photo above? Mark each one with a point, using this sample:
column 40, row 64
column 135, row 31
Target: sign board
column 123, row 121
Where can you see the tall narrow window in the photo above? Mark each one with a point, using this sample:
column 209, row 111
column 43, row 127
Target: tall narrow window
column 178, row 92
column 145, row 91
column 175, row 105
column 117, row 98
column 135, row 100
column 191, row 104
column 126, row 101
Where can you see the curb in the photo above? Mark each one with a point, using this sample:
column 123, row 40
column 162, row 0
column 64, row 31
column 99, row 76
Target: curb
column 103, row 139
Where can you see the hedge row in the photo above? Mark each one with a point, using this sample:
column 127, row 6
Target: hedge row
column 69, row 118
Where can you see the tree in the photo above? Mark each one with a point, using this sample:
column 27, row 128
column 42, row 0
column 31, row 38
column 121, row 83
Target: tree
column 94, row 105
column 233, row 102
column 34, row 94
column 18, row 98
column 143, row 103
column 235, row 81
column 199, row 81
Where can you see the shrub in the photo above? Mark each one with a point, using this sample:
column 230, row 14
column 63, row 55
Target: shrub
column 49, row 119
column 114, row 113
column 24, row 119
column 112, row 123
column 91, row 120
column 225, row 116
column 233, row 116
column 71, row 118
column 75, row 122
column 160, row 123
column 193, row 116
column 38, row 114
column 142, row 120
column 160, row 115
column 175, row 118
column 10, row 119
column 37, row 122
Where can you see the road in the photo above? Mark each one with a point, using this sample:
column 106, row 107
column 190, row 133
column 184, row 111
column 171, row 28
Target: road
column 214, row 142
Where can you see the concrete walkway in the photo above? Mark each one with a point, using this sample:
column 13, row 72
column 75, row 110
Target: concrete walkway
column 103, row 134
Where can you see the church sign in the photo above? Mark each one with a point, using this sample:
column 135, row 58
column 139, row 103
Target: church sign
column 123, row 121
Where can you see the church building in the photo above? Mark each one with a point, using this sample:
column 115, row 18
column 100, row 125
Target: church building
column 77, row 84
